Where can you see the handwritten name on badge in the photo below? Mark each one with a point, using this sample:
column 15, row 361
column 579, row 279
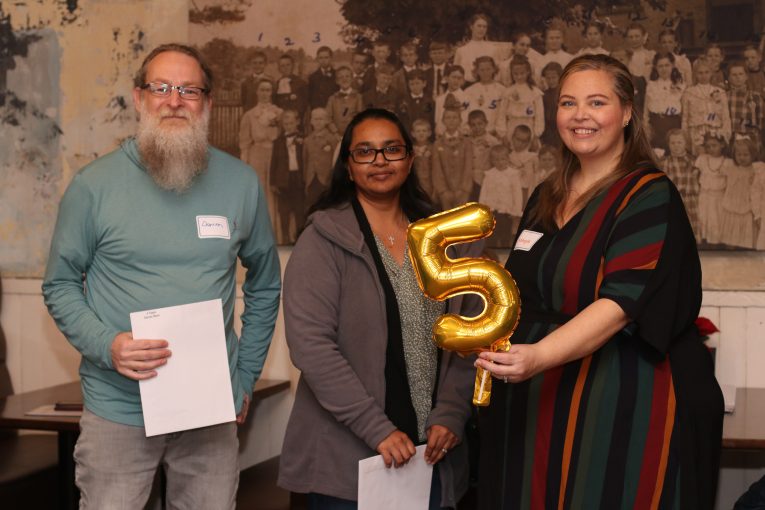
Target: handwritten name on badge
column 527, row 240
column 213, row 226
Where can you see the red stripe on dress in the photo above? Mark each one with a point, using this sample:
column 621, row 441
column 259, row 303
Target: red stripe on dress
column 572, row 278
column 547, row 395
column 644, row 257
column 654, row 448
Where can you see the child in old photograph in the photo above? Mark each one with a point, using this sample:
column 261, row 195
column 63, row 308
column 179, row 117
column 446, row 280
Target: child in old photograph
column 551, row 74
column 486, row 93
column 360, row 69
column 593, row 38
column 663, row 105
column 715, row 57
column 481, row 141
column 422, row 131
column 408, row 55
column 521, row 48
column 416, row 104
column 549, row 162
column 704, row 108
column 668, row 44
column 641, row 58
column 501, row 193
column 747, row 109
column 679, row 166
column 712, row 182
column 345, row 103
column 521, row 156
column 318, row 149
column 322, row 82
column 737, row 219
column 382, row 95
column 754, row 72
column 286, row 178
column 452, row 163
column 455, row 97
column 248, row 90
column 291, row 90
column 436, row 72
column 554, row 52
column 521, row 102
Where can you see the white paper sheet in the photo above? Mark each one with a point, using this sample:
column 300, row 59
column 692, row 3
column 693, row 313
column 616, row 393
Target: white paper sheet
column 404, row 488
column 194, row 388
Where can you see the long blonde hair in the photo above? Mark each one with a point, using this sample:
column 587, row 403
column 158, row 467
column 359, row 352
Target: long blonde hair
column 555, row 189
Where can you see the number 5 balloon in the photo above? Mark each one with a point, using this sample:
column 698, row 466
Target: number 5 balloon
column 440, row 277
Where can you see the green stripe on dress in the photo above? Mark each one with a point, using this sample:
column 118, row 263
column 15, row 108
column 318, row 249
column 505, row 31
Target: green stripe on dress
column 657, row 197
column 624, row 289
column 599, row 380
column 640, row 422
column 603, row 426
column 636, row 241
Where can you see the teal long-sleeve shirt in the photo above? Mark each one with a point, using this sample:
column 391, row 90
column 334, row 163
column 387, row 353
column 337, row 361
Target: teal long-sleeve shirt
column 142, row 247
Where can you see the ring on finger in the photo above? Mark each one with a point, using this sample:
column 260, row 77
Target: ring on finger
column 444, row 451
column 504, row 378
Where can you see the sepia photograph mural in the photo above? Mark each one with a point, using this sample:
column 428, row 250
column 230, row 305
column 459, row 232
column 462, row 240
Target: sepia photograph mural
column 476, row 83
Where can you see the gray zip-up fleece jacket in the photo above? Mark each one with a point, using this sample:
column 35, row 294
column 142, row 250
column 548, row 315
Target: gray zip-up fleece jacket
column 334, row 313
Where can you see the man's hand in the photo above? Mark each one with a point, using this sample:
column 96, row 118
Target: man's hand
column 137, row 359
column 396, row 449
column 440, row 441
column 242, row 416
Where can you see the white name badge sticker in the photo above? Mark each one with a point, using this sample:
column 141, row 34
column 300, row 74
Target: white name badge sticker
column 213, row 226
column 527, row 240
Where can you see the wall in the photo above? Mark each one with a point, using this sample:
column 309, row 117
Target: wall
column 65, row 100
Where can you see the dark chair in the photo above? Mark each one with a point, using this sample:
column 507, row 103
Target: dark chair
column 28, row 476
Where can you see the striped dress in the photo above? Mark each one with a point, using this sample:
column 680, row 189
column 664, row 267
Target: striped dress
column 638, row 423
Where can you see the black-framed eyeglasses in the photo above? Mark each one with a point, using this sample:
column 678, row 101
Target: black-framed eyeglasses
column 390, row 153
column 165, row 89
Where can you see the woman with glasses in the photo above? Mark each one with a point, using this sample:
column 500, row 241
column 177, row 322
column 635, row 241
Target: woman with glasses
column 359, row 329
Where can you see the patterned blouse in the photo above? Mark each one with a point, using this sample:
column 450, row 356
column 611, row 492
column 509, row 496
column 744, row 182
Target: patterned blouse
column 418, row 313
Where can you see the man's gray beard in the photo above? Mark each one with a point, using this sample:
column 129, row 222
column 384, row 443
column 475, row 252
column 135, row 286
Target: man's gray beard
column 174, row 156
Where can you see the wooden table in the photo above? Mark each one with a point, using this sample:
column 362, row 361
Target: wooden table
column 744, row 429
column 14, row 407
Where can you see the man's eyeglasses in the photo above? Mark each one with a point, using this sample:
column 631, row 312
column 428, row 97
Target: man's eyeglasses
column 390, row 153
column 165, row 89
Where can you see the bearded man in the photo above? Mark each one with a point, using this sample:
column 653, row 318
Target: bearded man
column 161, row 221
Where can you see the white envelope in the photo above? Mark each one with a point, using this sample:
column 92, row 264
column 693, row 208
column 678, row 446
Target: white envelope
column 404, row 488
column 194, row 388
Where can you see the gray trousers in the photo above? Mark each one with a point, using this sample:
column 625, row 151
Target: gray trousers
column 116, row 464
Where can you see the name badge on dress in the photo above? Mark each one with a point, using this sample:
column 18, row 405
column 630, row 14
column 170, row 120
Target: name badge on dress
column 527, row 240
column 213, row 226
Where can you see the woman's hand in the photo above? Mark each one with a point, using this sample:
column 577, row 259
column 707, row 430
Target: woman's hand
column 440, row 441
column 396, row 449
column 586, row 332
column 521, row 362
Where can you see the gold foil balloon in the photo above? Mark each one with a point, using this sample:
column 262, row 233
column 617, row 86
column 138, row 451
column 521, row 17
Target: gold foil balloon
column 441, row 277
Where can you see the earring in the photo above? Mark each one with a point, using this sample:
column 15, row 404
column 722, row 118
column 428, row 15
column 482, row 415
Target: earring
column 627, row 123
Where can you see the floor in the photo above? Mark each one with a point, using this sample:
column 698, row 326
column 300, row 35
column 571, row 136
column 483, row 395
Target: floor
column 257, row 491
